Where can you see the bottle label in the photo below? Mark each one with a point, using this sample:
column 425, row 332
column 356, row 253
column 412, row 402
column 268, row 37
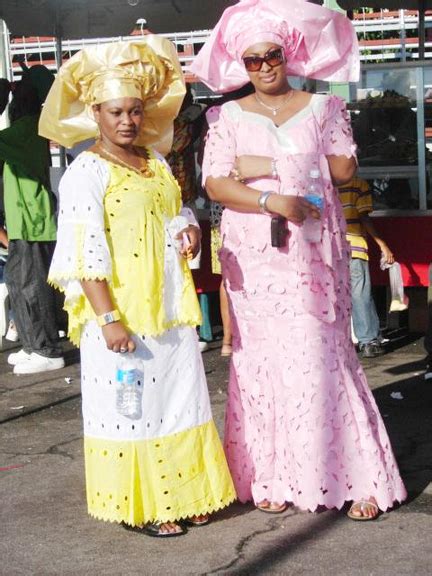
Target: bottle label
column 317, row 201
column 125, row 376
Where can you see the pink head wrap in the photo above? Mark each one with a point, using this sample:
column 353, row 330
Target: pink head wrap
column 319, row 43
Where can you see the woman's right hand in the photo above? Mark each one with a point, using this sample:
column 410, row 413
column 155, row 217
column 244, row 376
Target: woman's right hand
column 118, row 338
column 294, row 208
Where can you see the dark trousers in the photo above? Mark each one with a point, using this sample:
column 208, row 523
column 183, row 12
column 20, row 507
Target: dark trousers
column 32, row 299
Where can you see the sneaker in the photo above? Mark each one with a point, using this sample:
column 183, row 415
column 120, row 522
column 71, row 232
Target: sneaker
column 37, row 363
column 12, row 334
column 203, row 345
column 377, row 344
column 18, row 357
column 369, row 350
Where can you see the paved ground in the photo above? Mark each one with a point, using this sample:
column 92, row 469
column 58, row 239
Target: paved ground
column 44, row 528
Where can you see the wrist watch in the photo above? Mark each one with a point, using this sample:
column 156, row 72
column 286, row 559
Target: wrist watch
column 108, row 318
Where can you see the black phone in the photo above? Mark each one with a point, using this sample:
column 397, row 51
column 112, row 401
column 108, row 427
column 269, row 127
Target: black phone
column 279, row 231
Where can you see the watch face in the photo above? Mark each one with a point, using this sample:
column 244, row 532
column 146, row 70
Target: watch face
column 108, row 317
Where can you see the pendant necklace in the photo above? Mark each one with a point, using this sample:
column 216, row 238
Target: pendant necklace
column 275, row 109
column 144, row 171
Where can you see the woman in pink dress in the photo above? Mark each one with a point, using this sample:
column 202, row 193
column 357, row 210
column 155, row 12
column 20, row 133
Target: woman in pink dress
column 302, row 426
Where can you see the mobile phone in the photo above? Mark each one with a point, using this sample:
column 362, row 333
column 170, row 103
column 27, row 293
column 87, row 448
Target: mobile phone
column 279, row 231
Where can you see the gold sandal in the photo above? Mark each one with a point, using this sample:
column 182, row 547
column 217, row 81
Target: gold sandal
column 272, row 507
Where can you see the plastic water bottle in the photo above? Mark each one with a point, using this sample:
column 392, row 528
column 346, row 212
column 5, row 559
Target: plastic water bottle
column 129, row 386
column 312, row 228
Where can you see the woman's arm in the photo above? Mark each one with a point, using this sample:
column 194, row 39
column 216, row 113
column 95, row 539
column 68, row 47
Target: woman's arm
column 237, row 196
column 342, row 168
column 115, row 334
column 337, row 140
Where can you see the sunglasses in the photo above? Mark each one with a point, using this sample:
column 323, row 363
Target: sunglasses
column 273, row 58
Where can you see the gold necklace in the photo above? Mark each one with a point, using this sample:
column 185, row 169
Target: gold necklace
column 144, row 171
column 274, row 110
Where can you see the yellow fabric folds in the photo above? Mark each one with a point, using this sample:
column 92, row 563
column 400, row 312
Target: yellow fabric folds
column 148, row 69
column 162, row 479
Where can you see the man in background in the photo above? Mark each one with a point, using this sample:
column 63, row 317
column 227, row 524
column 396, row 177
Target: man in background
column 357, row 205
column 31, row 225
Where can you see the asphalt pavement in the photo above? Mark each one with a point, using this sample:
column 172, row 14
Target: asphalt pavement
column 45, row 530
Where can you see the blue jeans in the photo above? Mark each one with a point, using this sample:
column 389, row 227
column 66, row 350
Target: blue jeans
column 364, row 314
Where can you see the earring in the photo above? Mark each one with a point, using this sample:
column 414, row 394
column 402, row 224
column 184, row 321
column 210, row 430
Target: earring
column 98, row 134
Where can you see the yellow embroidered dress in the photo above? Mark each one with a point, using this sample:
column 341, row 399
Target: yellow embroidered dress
column 169, row 464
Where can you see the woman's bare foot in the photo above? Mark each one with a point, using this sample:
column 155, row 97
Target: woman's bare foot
column 158, row 529
column 271, row 507
column 170, row 528
column 198, row 520
column 366, row 509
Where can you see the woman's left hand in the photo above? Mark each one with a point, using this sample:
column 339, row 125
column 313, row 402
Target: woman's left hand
column 193, row 234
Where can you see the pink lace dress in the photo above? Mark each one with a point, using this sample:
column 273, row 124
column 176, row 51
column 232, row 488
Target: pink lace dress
column 301, row 424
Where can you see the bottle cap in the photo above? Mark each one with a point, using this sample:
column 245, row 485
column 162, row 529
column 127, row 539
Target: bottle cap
column 314, row 173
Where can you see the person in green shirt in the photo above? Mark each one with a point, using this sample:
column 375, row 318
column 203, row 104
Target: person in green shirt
column 31, row 224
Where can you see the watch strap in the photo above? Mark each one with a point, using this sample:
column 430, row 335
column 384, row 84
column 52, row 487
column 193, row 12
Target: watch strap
column 108, row 318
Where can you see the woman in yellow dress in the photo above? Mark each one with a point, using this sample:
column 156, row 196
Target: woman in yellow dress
column 129, row 291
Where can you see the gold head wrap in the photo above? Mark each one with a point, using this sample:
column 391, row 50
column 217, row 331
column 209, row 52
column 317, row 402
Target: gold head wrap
column 147, row 69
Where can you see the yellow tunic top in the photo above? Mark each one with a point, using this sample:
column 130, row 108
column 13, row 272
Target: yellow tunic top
column 112, row 225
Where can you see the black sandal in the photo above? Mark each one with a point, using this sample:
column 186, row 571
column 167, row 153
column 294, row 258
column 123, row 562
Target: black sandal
column 153, row 529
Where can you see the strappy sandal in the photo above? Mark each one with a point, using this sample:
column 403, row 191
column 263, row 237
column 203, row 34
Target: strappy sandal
column 153, row 529
column 271, row 508
column 191, row 522
column 361, row 506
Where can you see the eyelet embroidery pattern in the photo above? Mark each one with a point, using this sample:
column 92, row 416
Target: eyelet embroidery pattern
column 97, row 198
column 337, row 131
column 171, row 456
column 301, row 424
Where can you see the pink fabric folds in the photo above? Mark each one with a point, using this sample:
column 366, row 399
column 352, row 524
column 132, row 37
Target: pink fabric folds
column 319, row 43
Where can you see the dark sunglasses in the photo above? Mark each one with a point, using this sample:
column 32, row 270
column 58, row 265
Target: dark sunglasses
column 273, row 58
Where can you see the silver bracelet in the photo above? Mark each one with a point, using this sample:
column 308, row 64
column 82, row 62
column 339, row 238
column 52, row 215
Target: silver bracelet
column 262, row 203
column 274, row 172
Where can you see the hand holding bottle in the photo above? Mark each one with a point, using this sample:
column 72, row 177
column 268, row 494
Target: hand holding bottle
column 312, row 226
column 129, row 386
